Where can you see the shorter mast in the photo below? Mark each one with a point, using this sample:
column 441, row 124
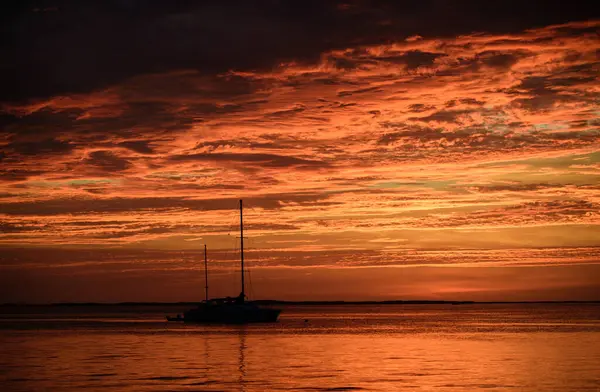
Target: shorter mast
column 205, row 275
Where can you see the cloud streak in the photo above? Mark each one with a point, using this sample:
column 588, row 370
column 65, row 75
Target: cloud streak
column 352, row 147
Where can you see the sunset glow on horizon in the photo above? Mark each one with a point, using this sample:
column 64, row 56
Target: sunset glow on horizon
column 406, row 163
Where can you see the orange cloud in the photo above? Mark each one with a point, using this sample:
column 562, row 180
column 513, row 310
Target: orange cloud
column 436, row 145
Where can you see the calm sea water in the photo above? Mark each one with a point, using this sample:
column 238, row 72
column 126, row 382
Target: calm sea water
column 318, row 348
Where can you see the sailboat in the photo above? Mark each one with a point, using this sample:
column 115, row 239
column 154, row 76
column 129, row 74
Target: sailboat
column 229, row 310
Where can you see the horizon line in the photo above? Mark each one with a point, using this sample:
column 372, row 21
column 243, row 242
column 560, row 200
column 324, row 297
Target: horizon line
column 306, row 302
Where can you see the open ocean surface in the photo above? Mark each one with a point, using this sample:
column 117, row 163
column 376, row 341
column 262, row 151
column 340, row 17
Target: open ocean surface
column 516, row 347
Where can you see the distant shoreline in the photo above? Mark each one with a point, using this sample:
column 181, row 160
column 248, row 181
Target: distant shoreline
column 317, row 303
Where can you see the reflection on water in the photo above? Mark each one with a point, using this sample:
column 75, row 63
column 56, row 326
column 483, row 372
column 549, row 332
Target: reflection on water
column 382, row 348
column 242, row 367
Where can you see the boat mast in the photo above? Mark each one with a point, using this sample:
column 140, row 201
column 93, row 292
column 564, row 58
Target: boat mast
column 242, row 247
column 205, row 275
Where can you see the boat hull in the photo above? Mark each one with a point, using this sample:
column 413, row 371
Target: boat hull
column 230, row 314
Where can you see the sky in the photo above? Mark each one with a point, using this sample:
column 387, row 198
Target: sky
column 423, row 149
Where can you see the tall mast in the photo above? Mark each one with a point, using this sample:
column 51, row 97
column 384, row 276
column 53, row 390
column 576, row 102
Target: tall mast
column 205, row 274
column 242, row 247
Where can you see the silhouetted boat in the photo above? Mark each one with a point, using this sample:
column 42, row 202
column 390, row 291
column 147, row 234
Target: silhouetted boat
column 229, row 310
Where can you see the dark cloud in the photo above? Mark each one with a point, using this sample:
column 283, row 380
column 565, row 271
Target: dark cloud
column 115, row 231
column 192, row 84
column 44, row 123
column 262, row 160
column 471, row 101
column 543, row 92
column 358, row 91
column 447, row 116
column 499, row 60
column 6, row 228
column 107, row 161
column 71, row 50
column 414, row 59
column 136, row 119
column 115, row 205
column 271, row 142
column 287, row 112
column 139, row 146
column 43, row 147
column 415, row 133
column 132, row 125
column 420, row 107
column 342, row 63
column 14, row 175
